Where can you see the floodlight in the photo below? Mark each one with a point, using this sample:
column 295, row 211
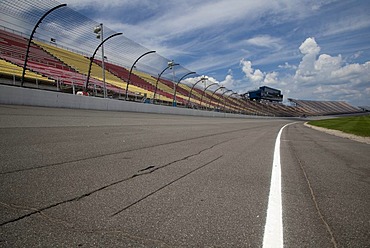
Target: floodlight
column 97, row 29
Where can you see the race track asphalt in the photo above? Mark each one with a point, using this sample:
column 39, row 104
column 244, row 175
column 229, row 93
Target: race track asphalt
column 80, row 178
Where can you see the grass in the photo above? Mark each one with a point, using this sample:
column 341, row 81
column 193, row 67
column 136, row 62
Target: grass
column 358, row 125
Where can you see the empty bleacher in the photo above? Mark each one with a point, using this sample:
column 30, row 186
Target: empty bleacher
column 13, row 50
column 162, row 89
column 135, row 80
column 13, row 70
column 80, row 63
column 53, row 65
column 324, row 107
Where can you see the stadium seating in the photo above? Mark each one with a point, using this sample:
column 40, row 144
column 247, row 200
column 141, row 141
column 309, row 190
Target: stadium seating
column 324, row 107
column 10, row 70
column 123, row 74
column 161, row 88
column 13, row 49
column 80, row 63
column 53, row 65
column 13, row 46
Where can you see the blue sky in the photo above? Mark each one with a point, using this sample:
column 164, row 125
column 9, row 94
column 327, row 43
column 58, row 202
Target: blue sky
column 313, row 50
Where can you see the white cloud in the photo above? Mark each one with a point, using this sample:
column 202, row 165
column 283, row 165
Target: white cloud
column 347, row 24
column 271, row 78
column 170, row 20
column 354, row 73
column 255, row 76
column 357, row 55
column 318, row 76
column 211, row 35
column 310, row 47
column 327, row 63
column 306, row 69
column 228, row 82
column 192, row 80
column 326, row 69
column 265, row 41
column 288, row 66
column 214, row 61
column 97, row 4
column 195, row 80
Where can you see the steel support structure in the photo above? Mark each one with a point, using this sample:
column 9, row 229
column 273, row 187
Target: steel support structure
column 170, row 65
column 210, row 100
column 178, row 82
column 92, row 58
column 225, row 99
column 132, row 67
column 204, row 91
column 31, row 37
column 201, row 79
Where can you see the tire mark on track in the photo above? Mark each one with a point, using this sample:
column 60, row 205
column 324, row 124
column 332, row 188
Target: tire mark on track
column 129, row 150
column 140, row 173
column 154, row 168
column 165, row 186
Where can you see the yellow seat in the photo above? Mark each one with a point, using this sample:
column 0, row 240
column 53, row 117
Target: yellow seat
column 9, row 69
column 81, row 64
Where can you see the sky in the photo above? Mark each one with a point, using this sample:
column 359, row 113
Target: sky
column 309, row 49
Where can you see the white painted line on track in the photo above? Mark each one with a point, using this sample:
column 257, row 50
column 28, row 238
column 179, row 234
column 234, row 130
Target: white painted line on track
column 273, row 236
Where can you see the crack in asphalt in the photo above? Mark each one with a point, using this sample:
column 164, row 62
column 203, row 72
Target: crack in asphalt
column 313, row 196
column 164, row 186
column 77, row 198
column 70, row 226
column 129, row 150
column 154, row 168
column 362, row 173
column 140, row 173
column 147, row 168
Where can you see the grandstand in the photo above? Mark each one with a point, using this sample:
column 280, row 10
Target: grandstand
column 324, row 107
column 63, row 63
column 365, row 108
column 44, row 67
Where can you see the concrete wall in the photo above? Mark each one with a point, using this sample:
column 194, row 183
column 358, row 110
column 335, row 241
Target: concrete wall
column 24, row 96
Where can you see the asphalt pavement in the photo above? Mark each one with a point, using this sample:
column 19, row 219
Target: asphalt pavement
column 80, row 178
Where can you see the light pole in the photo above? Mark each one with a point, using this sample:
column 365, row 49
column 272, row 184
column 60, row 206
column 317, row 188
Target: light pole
column 210, row 100
column 98, row 30
column 178, row 82
column 202, row 79
column 170, row 64
column 132, row 67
